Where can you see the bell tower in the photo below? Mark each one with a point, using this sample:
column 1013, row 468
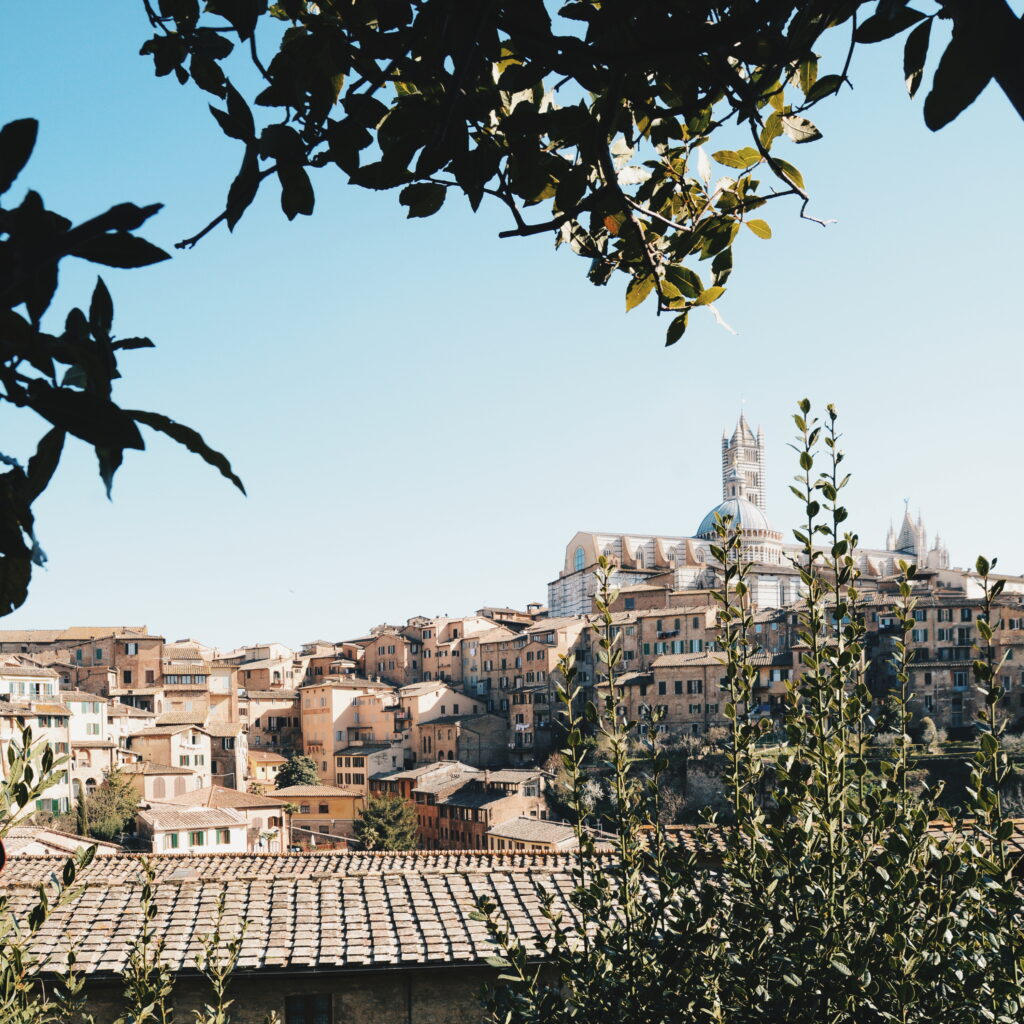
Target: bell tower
column 743, row 464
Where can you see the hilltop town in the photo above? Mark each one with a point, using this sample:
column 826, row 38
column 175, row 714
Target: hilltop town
column 458, row 715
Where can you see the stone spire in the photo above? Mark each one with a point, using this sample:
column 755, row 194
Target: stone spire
column 743, row 464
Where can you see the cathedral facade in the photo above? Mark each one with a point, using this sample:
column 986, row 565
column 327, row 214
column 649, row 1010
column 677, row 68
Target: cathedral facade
column 686, row 563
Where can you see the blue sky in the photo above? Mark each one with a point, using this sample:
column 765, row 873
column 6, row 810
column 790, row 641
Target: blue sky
column 424, row 415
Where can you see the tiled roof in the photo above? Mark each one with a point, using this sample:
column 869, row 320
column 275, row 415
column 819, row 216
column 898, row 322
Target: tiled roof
column 49, row 636
column 25, row 840
column 163, row 816
column 316, row 791
column 534, row 830
column 267, row 756
column 163, row 730
column 181, row 718
column 128, row 711
column 223, row 728
column 154, row 768
column 27, row 670
column 80, row 695
column 220, row 796
column 93, row 744
column 377, row 748
column 319, row 911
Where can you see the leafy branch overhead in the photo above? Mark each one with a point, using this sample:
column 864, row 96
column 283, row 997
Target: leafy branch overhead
column 601, row 124
column 65, row 378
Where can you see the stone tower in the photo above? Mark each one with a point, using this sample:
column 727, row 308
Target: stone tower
column 743, row 465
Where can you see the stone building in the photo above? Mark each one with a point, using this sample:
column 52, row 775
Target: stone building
column 480, row 740
column 686, row 563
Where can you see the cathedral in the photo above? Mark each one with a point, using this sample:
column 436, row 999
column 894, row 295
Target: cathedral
column 686, row 563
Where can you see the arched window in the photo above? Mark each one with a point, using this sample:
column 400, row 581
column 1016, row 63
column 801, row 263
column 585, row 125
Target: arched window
column 159, row 789
column 640, row 557
column 578, row 559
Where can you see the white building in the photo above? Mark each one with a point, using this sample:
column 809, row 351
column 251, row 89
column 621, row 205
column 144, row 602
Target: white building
column 686, row 562
column 200, row 829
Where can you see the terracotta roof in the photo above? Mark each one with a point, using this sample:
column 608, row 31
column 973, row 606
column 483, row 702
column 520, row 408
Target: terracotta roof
column 154, row 768
column 163, row 816
column 317, row 791
column 163, row 730
column 332, row 911
column 221, row 796
column 80, row 695
column 74, row 633
column 118, row 709
column 534, row 830
column 266, row 755
column 93, row 744
column 51, row 709
column 223, row 728
column 28, row 840
column 27, row 670
column 181, row 718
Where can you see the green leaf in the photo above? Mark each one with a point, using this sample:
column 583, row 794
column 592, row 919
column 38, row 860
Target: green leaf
column 190, row 438
column 741, row 158
column 17, row 140
column 915, row 53
column 799, row 129
column 638, row 290
column 296, row 190
column 677, row 328
column 709, row 295
column 244, row 187
column 101, row 310
column 760, row 228
column 119, row 249
column 791, row 173
column 964, row 70
column 423, row 198
column 685, row 280
column 824, row 86
column 890, row 22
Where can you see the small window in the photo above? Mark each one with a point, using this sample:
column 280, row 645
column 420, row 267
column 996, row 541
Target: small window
column 171, row 841
column 322, row 809
column 307, row 1008
column 223, row 835
column 303, row 808
column 99, row 650
column 578, row 559
column 196, row 838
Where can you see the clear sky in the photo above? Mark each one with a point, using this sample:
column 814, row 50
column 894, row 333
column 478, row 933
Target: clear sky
column 424, row 415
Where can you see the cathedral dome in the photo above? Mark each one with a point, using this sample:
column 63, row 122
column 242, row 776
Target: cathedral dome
column 745, row 514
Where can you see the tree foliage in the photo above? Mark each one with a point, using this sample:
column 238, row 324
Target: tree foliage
column 298, row 770
column 66, row 378
column 110, row 807
column 844, row 898
column 387, row 822
column 601, row 124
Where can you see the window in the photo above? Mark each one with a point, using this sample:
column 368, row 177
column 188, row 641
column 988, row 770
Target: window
column 307, row 1008
column 78, row 654
column 92, row 728
column 927, row 679
column 920, row 615
column 578, row 559
column 322, row 809
column 171, row 841
column 929, row 702
column 127, row 674
column 694, row 686
column 712, row 709
column 630, row 603
column 196, row 838
column 945, row 615
column 131, row 648
column 678, row 686
column 694, row 709
column 919, row 635
column 223, row 835
column 662, row 688
column 303, row 808
column 965, row 614
column 99, row 653
column 960, row 679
